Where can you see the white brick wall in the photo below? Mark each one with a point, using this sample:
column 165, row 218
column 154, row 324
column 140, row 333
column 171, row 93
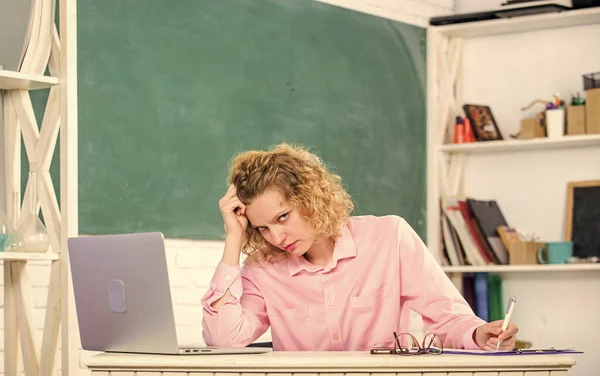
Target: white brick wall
column 415, row 12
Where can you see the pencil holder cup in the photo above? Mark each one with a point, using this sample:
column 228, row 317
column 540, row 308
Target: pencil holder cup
column 555, row 123
column 555, row 253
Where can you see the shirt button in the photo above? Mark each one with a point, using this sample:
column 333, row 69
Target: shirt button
column 330, row 303
column 228, row 277
column 336, row 338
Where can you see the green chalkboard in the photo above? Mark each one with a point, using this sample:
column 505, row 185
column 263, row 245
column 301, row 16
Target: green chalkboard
column 170, row 90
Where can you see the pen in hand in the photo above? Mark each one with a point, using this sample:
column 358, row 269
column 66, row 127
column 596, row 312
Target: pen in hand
column 509, row 310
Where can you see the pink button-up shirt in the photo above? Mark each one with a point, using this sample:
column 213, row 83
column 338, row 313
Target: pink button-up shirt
column 379, row 267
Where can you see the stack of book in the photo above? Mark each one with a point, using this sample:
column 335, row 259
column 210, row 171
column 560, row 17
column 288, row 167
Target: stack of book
column 469, row 232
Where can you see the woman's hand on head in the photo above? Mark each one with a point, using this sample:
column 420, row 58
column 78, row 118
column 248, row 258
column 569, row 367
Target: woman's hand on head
column 233, row 212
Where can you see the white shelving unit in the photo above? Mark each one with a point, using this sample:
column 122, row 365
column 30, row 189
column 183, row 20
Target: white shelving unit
column 446, row 162
column 57, row 52
column 506, row 64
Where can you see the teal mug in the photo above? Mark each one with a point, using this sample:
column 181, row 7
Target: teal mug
column 555, row 253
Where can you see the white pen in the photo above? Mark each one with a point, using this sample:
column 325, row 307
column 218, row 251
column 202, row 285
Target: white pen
column 509, row 310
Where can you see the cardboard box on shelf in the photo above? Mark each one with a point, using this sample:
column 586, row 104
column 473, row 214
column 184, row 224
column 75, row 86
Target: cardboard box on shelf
column 592, row 111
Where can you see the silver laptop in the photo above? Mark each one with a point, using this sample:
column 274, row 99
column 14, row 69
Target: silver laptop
column 123, row 296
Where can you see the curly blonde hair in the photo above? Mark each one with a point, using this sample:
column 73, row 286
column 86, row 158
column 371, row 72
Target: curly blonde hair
column 305, row 182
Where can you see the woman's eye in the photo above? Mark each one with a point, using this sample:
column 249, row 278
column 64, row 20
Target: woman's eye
column 283, row 217
column 261, row 229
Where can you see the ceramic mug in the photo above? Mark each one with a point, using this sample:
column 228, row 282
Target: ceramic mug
column 555, row 253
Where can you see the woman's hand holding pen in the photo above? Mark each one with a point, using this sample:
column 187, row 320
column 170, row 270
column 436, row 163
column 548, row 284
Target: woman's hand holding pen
column 487, row 336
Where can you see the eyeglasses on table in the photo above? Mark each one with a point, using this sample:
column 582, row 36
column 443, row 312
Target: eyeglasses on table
column 407, row 344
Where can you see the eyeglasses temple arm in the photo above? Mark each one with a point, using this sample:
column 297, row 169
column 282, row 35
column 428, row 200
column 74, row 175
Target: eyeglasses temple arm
column 397, row 341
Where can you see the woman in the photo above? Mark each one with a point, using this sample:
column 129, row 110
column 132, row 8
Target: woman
column 323, row 280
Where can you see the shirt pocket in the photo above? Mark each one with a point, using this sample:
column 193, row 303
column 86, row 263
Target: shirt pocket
column 372, row 319
column 371, row 300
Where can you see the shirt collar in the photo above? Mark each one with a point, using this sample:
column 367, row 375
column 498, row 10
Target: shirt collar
column 344, row 248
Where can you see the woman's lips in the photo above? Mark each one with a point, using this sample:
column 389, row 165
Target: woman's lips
column 291, row 247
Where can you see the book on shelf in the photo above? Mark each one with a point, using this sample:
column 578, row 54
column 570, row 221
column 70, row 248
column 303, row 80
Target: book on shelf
column 484, row 294
column 489, row 218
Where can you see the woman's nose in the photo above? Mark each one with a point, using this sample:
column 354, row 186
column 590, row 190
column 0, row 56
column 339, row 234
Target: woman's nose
column 279, row 235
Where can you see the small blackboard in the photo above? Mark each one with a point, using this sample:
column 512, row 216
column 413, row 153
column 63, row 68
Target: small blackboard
column 583, row 218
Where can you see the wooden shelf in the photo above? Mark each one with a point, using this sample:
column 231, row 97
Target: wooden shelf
column 10, row 80
column 25, row 256
column 570, row 18
column 523, row 145
column 522, row 268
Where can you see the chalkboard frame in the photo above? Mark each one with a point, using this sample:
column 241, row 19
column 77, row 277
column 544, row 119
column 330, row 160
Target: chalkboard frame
column 571, row 187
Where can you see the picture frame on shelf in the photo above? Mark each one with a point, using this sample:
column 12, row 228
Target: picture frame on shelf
column 482, row 121
column 583, row 217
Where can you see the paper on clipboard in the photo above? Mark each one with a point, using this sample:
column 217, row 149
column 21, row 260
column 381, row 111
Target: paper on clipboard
column 530, row 351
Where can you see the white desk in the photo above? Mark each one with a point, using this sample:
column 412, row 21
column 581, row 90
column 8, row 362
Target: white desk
column 283, row 363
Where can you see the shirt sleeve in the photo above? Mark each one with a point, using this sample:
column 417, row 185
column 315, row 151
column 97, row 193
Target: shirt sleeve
column 427, row 290
column 242, row 318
